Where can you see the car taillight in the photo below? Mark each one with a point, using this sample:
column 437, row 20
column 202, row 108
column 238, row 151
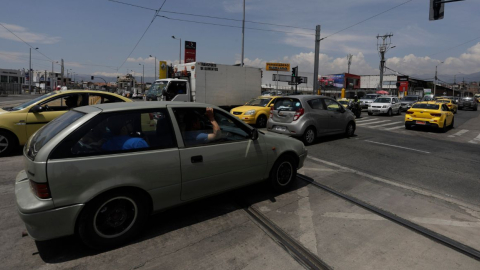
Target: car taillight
column 409, row 112
column 40, row 190
column 271, row 112
column 449, row 105
column 298, row 113
column 436, row 114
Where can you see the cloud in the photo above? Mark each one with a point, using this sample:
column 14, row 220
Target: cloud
column 108, row 74
column 13, row 57
column 235, row 6
column 149, row 60
column 27, row 36
column 327, row 64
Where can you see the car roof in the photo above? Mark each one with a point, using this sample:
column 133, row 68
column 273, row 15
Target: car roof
column 305, row 97
column 428, row 102
column 127, row 106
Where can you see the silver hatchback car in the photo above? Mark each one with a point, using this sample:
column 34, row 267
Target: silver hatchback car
column 100, row 171
column 309, row 116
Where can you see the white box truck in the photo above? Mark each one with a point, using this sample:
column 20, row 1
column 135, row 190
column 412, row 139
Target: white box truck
column 222, row 85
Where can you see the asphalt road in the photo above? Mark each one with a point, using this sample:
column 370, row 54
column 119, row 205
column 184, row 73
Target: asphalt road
column 427, row 177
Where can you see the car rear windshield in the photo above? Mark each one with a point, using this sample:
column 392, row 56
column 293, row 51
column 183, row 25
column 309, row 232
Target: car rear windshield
column 425, row 106
column 47, row 132
column 287, row 104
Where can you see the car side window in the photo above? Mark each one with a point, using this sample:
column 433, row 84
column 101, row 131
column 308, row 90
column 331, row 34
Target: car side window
column 331, row 104
column 120, row 132
column 195, row 127
column 94, row 99
column 445, row 108
column 64, row 102
column 316, row 104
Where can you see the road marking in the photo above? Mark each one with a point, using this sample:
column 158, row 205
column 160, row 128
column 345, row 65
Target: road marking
column 382, row 125
column 366, row 120
column 476, row 140
column 432, row 221
column 376, row 122
column 395, row 127
column 469, row 207
column 398, row 147
column 460, row 133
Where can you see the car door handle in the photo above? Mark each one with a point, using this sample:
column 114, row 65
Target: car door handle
column 197, row 159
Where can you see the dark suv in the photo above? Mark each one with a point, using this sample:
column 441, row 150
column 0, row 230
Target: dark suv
column 467, row 103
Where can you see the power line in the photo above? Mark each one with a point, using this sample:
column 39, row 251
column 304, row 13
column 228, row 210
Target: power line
column 233, row 26
column 212, row 17
column 454, row 47
column 367, row 19
column 26, row 42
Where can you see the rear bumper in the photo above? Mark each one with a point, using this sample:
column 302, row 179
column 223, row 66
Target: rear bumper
column 427, row 123
column 285, row 128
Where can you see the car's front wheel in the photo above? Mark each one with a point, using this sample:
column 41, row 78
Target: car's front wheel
column 350, row 130
column 7, row 143
column 389, row 113
column 112, row 219
column 283, row 173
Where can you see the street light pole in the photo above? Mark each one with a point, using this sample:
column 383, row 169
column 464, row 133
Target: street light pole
column 155, row 75
column 435, row 84
column 30, row 74
column 180, row 54
column 243, row 31
column 143, row 76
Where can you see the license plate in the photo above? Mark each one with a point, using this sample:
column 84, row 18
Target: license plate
column 375, row 110
column 280, row 128
column 420, row 123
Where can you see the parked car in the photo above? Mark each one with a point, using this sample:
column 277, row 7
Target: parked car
column 467, row 103
column 367, row 99
column 100, row 171
column 407, row 102
column 388, row 105
column 18, row 123
column 429, row 114
column 256, row 111
column 309, row 116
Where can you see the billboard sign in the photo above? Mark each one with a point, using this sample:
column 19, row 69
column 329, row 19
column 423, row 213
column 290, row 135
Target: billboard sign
column 190, row 51
column 162, row 71
column 337, row 80
column 278, row 67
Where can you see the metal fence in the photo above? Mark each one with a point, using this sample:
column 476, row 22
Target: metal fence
column 10, row 88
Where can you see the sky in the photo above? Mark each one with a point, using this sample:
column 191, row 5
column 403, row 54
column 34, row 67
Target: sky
column 96, row 37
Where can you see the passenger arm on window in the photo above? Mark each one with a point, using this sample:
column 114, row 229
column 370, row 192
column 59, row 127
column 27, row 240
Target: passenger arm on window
column 216, row 128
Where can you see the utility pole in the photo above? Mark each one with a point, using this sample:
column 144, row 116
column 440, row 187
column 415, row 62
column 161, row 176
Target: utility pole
column 62, row 72
column 349, row 60
column 317, row 54
column 454, row 83
column 382, row 49
column 436, row 78
column 52, row 85
column 30, row 74
column 243, row 31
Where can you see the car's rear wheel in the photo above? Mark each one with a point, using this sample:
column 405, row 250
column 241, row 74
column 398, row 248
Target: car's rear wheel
column 261, row 121
column 7, row 143
column 444, row 128
column 112, row 219
column 408, row 126
column 350, row 130
column 452, row 124
column 309, row 136
column 283, row 173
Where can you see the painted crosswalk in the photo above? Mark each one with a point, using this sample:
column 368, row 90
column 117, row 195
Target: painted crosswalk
column 397, row 124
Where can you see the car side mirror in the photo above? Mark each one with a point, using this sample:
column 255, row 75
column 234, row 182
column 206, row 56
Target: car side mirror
column 271, row 105
column 36, row 109
column 393, row 102
column 254, row 134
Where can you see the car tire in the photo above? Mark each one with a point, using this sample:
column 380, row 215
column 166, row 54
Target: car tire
column 309, row 136
column 455, row 112
column 399, row 112
column 283, row 173
column 369, row 113
column 408, row 126
column 389, row 113
column 102, row 219
column 444, row 128
column 350, row 130
column 452, row 124
column 7, row 143
column 261, row 121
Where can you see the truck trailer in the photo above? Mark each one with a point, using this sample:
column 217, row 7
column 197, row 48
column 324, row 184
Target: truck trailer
column 221, row 85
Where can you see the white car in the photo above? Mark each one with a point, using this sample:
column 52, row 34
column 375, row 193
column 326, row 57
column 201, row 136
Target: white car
column 388, row 105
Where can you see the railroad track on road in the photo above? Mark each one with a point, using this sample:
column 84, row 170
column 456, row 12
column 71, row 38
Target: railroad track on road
column 442, row 239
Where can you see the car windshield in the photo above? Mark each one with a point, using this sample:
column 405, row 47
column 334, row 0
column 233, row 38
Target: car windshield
column 287, row 104
column 382, row 100
column 33, row 101
column 409, row 99
column 157, row 87
column 261, row 102
column 369, row 97
column 427, row 98
column 425, row 106
column 442, row 101
column 47, row 132
column 345, row 102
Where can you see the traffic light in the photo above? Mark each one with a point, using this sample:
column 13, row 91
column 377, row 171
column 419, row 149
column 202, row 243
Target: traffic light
column 300, row 80
column 92, row 78
column 294, row 74
column 436, row 10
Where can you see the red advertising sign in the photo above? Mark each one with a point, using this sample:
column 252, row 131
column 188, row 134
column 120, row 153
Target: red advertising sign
column 403, row 86
column 190, row 51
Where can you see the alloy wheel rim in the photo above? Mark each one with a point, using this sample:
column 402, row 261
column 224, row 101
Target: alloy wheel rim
column 115, row 217
column 3, row 143
column 284, row 173
column 309, row 136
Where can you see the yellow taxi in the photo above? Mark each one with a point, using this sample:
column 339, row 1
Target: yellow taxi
column 452, row 106
column 18, row 123
column 256, row 111
column 344, row 102
column 430, row 114
column 477, row 97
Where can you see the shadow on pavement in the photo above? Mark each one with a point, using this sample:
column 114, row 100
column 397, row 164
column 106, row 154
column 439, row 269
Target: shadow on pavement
column 71, row 248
